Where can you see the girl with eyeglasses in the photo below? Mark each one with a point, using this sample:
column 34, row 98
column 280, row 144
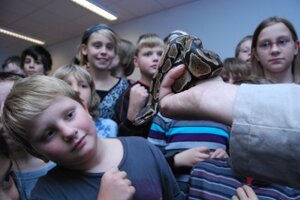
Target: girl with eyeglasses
column 275, row 51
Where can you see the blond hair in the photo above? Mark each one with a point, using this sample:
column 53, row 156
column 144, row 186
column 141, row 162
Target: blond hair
column 28, row 98
column 148, row 40
column 81, row 74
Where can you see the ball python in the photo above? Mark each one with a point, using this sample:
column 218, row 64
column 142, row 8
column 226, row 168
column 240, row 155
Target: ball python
column 201, row 64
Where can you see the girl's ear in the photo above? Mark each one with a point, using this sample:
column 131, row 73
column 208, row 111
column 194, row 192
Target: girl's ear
column 255, row 54
column 297, row 46
column 135, row 61
column 83, row 49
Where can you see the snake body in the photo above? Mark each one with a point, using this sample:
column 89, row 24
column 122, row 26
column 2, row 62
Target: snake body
column 201, row 64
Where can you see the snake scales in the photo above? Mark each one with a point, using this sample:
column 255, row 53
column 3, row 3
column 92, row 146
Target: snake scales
column 201, row 64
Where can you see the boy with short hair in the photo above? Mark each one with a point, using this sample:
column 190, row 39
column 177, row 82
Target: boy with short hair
column 36, row 59
column 48, row 117
column 149, row 49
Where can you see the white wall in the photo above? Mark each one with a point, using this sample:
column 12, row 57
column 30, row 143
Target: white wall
column 219, row 23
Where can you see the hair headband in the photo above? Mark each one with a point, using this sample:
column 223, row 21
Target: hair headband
column 93, row 29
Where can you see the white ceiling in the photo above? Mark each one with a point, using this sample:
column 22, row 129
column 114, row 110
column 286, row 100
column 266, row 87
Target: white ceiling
column 55, row 21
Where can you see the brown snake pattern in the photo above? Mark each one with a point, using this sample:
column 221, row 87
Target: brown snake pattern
column 201, row 64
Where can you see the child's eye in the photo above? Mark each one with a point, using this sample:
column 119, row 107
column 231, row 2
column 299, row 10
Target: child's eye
column 110, row 46
column 7, row 182
column 246, row 50
column 38, row 62
column 84, row 85
column 159, row 53
column 70, row 115
column 283, row 41
column 97, row 45
column 48, row 135
column 27, row 61
column 148, row 53
column 265, row 45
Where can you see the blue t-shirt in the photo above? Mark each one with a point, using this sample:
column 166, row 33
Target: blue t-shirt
column 27, row 181
column 146, row 168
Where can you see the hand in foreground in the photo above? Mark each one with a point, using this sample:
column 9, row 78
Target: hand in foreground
column 115, row 186
column 168, row 81
column 218, row 153
column 191, row 156
column 245, row 193
column 210, row 99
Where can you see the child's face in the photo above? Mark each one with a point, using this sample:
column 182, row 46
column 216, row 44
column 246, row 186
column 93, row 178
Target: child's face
column 100, row 51
column 8, row 189
column 64, row 133
column 245, row 51
column 82, row 87
column 275, row 49
column 148, row 59
column 33, row 67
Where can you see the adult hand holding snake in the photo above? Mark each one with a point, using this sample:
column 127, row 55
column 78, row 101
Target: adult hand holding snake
column 211, row 99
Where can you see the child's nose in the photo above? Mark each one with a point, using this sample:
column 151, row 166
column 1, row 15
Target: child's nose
column 31, row 65
column 68, row 133
column 103, row 50
column 75, row 88
column 156, row 57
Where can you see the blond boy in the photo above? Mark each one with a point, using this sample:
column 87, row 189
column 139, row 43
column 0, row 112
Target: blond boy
column 48, row 117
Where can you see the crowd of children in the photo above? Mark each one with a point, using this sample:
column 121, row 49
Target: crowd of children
column 70, row 134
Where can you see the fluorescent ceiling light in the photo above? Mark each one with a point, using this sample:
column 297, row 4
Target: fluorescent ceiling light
column 23, row 37
column 92, row 7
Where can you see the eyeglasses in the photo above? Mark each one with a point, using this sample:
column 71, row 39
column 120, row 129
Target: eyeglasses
column 280, row 43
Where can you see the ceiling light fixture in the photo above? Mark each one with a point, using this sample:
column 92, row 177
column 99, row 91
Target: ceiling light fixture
column 96, row 9
column 23, row 37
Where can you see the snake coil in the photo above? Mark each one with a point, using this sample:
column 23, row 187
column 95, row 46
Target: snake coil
column 201, row 64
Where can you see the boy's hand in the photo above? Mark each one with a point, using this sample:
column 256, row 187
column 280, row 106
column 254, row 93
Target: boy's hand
column 218, row 153
column 116, row 186
column 245, row 193
column 137, row 99
column 190, row 157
